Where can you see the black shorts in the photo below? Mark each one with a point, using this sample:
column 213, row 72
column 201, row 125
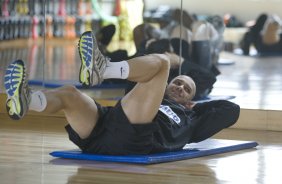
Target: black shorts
column 115, row 135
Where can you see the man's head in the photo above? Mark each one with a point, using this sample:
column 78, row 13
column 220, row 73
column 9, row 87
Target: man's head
column 181, row 89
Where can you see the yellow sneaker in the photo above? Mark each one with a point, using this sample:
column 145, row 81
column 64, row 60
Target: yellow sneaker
column 93, row 62
column 17, row 90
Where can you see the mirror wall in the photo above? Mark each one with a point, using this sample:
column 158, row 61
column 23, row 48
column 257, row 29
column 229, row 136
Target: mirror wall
column 44, row 33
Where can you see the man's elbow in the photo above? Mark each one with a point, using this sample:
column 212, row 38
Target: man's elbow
column 235, row 114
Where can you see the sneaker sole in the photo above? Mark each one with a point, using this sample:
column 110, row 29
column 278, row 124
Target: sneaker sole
column 14, row 91
column 86, row 67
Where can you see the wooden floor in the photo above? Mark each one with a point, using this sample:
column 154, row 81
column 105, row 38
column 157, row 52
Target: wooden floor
column 256, row 83
column 25, row 148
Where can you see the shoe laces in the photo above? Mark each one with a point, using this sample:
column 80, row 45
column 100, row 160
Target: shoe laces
column 27, row 92
column 102, row 63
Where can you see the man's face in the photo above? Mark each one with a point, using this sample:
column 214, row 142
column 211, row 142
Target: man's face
column 181, row 89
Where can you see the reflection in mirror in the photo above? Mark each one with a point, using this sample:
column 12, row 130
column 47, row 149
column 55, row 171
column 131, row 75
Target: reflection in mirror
column 254, row 81
column 44, row 34
column 22, row 36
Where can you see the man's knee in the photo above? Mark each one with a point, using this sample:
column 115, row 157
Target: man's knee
column 70, row 94
column 163, row 61
column 69, row 89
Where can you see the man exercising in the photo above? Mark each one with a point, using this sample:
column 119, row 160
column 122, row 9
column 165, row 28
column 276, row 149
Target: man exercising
column 153, row 117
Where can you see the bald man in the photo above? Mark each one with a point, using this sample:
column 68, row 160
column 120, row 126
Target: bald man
column 153, row 117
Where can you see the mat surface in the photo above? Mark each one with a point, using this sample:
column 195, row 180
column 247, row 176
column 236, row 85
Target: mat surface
column 204, row 148
column 55, row 84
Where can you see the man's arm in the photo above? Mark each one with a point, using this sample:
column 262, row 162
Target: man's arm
column 223, row 109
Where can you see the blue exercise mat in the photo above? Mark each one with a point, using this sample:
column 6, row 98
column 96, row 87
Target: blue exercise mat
column 204, row 148
column 55, row 84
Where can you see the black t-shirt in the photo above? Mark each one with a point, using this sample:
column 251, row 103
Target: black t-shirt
column 178, row 126
column 175, row 126
column 174, row 113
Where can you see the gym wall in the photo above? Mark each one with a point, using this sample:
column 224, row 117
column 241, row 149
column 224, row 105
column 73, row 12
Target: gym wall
column 244, row 10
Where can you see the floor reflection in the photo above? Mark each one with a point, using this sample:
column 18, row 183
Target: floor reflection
column 255, row 81
column 169, row 174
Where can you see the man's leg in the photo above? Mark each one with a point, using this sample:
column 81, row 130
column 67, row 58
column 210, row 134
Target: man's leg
column 150, row 72
column 80, row 110
column 142, row 103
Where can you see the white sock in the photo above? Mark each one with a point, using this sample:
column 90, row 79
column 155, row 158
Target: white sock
column 38, row 101
column 117, row 70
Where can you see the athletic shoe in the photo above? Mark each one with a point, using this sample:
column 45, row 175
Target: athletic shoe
column 93, row 62
column 18, row 92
